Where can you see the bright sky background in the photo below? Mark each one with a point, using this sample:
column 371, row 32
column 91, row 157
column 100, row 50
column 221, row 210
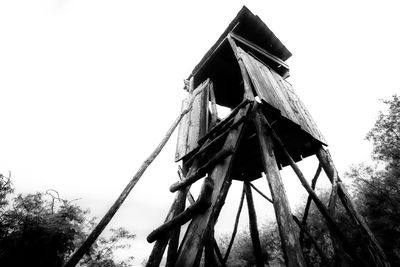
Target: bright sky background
column 88, row 89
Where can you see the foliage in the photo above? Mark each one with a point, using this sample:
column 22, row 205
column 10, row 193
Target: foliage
column 242, row 250
column 42, row 229
column 377, row 190
column 102, row 255
column 385, row 135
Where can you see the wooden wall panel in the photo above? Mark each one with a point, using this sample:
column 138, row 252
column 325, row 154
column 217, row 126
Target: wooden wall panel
column 194, row 124
column 277, row 92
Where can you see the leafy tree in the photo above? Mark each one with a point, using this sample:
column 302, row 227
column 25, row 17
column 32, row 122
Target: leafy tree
column 385, row 135
column 377, row 188
column 42, row 229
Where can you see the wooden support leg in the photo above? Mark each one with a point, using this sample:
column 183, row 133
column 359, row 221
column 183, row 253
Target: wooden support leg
column 290, row 243
column 174, row 239
column 209, row 252
column 192, row 243
column 321, row 207
column 228, row 250
column 255, row 237
column 308, row 204
column 160, row 245
column 375, row 250
column 321, row 253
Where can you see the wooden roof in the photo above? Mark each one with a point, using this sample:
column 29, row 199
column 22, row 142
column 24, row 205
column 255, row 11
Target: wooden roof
column 251, row 27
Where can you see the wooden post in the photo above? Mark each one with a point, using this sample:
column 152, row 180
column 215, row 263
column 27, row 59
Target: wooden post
column 290, row 243
column 308, row 204
column 375, row 250
column 321, row 207
column 160, row 245
column 255, row 237
column 248, row 93
column 228, row 250
column 199, row 207
column 214, row 112
column 193, row 241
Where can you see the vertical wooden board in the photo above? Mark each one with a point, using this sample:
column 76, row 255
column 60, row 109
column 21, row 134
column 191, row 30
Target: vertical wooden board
column 278, row 92
column 307, row 121
column 285, row 98
column 194, row 124
column 292, row 100
column 263, row 87
column 316, row 132
column 198, row 120
column 182, row 133
column 252, row 73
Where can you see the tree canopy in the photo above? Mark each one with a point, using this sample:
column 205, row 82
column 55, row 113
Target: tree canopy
column 42, row 229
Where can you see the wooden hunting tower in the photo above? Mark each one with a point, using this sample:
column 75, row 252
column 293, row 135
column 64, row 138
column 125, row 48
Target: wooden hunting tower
column 268, row 128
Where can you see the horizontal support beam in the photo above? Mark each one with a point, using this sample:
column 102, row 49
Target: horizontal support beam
column 201, row 171
column 260, row 50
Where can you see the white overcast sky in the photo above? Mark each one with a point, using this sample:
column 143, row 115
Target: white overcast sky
column 88, row 88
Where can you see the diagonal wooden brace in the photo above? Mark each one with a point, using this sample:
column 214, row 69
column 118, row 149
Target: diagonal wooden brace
column 200, row 206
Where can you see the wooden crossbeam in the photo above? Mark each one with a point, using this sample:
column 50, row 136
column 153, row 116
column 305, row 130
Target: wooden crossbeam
column 261, row 193
column 260, row 50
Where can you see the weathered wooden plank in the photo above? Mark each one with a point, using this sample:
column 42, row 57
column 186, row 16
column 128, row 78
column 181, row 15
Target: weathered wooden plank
column 193, row 240
column 267, row 73
column 261, row 85
column 290, row 243
column 299, row 109
column 277, row 92
column 248, row 93
column 198, row 121
column 183, row 133
column 213, row 107
column 285, row 98
column 260, row 50
column 194, row 124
